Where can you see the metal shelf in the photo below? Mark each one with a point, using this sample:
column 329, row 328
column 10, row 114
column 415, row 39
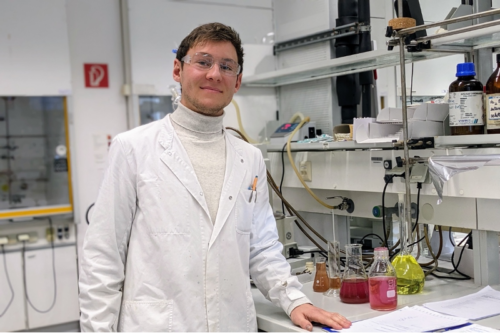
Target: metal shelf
column 467, row 140
column 455, row 44
column 342, row 145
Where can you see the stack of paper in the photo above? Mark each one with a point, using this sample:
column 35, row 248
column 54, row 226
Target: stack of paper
column 483, row 304
column 414, row 319
column 473, row 328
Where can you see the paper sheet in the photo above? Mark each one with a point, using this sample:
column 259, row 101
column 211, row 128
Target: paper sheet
column 414, row 319
column 483, row 304
column 474, row 328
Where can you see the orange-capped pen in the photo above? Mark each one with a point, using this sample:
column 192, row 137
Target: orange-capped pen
column 254, row 186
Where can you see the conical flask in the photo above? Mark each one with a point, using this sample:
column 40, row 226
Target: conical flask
column 354, row 287
column 410, row 275
column 333, row 269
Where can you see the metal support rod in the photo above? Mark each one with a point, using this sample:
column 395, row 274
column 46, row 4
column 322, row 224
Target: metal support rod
column 400, row 8
column 408, row 31
column 459, row 31
column 405, row 132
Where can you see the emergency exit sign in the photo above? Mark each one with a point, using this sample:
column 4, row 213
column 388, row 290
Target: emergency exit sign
column 96, row 75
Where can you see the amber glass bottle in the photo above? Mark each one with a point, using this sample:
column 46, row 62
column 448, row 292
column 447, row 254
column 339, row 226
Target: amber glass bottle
column 492, row 101
column 466, row 102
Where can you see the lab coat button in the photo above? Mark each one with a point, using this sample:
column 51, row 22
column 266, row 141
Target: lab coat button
column 201, row 193
column 241, row 160
column 169, row 154
column 230, row 198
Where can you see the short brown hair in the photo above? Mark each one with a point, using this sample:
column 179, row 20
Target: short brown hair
column 216, row 32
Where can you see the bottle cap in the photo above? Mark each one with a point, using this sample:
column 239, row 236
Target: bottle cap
column 466, row 69
column 381, row 252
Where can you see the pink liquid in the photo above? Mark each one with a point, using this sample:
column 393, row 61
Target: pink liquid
column 354, row 291
column 383, row 295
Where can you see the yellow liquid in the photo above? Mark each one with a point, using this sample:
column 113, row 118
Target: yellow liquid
column 410, row 275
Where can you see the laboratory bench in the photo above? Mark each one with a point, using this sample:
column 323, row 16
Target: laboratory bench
column 273, row 319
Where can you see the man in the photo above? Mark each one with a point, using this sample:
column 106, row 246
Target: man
column 182, row 218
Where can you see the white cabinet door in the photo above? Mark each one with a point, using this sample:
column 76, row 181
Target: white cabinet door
column 14, row 318
column 40, row 286
column 34, row 48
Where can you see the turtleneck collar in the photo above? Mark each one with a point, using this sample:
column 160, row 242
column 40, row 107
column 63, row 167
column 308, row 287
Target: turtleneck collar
column 196, row 122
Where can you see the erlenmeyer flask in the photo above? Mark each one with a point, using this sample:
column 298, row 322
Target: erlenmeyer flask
column 354, row 288
column 321, row 282
column 333, row 269
column 410, row 275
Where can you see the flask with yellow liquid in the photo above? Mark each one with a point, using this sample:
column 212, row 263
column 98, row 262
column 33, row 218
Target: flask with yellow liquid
column 410, row 276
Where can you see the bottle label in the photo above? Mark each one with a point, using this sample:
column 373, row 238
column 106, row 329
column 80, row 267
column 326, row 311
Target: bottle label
column 493, row 111
column 466, row 108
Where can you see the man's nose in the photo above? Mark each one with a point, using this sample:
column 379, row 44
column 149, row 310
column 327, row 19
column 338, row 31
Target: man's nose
column 214, row 73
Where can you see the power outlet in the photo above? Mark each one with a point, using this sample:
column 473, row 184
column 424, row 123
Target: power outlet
column 305, row 169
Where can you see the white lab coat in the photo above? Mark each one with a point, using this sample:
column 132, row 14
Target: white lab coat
column 152, row 258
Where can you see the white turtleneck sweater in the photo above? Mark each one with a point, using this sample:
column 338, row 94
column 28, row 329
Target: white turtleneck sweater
column 203, row 138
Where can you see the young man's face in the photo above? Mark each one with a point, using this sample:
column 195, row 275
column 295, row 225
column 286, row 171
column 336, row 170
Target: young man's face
column 207, row 91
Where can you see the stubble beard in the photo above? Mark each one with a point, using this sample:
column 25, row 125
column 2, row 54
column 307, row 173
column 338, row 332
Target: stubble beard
column 203, row 109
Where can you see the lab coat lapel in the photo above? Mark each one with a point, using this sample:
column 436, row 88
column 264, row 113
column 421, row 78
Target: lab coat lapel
column 177, row 160
column 235, row 173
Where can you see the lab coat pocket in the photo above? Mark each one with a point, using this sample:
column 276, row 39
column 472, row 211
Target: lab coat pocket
column 145, row 316
column 244, row 211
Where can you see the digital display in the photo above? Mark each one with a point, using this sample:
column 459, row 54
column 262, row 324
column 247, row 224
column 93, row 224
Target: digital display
column 287, row 128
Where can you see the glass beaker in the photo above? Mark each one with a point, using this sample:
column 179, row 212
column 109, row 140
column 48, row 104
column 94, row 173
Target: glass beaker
column 410, row 275
column 354, row 287
column 382, row 281
column 321, row 282
column 333, row 269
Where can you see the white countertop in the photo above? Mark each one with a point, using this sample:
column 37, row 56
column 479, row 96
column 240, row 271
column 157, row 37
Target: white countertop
column 273, row 319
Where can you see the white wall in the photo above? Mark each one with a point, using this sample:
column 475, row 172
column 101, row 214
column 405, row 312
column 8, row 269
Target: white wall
column 158, row 26
column 95, row 37
column 34, row 57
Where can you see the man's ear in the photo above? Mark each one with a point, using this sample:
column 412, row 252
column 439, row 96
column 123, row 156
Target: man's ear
column 238, row 83
column 177, row 70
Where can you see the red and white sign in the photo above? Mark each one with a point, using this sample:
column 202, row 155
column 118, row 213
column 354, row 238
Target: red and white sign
column 96, row 75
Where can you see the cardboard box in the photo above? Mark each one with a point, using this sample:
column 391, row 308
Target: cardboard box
column 424, row 120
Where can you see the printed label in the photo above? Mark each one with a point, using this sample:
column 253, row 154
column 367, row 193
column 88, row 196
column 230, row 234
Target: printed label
column 391, row 293
column 493, row 111
column 466, row 108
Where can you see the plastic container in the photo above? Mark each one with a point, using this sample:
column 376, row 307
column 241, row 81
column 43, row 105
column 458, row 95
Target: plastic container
column 382, row 282
column 466, row 102
column 354, row 287
column 492, row 101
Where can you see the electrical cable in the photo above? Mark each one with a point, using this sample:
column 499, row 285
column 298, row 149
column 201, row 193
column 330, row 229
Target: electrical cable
column 282, row 175
column 411, row 84
column 53, row 272
column 387, row 181
column 87, row 213
column 8, row 282
column 381, row 240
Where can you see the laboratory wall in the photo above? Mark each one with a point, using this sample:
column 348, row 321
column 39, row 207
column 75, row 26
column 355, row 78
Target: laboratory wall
column 96, row 114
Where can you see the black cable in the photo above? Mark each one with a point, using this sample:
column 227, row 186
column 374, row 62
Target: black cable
column 387, row 181
column 87, row 213
column 455, row 267
column 53, row 272
column 411, row 84
column 8, row 281
column 421, row 239
column 419, row 186
column 282, row 175
column 362, row 239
